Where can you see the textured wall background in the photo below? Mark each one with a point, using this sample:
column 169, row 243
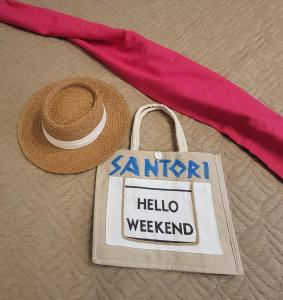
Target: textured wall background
column 46, row 220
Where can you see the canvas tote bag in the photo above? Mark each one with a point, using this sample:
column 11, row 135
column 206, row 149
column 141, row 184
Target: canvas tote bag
column 164, row 210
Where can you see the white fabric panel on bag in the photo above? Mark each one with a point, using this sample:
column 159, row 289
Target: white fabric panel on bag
column 209, row 240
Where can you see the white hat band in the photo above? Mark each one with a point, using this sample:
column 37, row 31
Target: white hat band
column 92, row 136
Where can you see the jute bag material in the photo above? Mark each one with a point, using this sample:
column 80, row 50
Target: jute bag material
column 164, row 210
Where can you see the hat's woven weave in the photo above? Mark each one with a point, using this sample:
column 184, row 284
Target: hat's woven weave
column 69, row 110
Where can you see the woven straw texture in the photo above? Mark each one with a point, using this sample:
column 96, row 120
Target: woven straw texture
column 72, row 109
column 46, row 219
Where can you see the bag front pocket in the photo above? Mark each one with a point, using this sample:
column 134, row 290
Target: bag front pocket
column 159, row 211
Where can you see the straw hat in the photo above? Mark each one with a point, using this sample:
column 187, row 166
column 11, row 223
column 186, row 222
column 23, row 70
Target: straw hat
column 72, row 125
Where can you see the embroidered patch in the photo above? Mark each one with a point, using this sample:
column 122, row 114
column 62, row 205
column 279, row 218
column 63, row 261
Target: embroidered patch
column 159, row 211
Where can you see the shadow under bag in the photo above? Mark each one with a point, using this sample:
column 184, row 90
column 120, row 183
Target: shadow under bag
column 164, row 210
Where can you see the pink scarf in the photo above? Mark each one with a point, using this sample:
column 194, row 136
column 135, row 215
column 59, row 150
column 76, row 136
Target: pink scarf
column 166, row 76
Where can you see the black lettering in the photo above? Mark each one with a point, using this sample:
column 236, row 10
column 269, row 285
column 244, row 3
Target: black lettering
column 156, row 206
column 150, row 204
column 185, row 225
column 141, row 202
column 176, row 228
column 163, row 206
column 132, row 224
column 157, row 227
column 150, row 226
column 170, row 206
column 167, row 227
column 143, row 225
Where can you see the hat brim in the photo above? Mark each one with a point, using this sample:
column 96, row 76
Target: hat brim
column 52, row 159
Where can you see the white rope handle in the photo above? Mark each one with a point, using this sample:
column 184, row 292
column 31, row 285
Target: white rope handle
column 142, row 111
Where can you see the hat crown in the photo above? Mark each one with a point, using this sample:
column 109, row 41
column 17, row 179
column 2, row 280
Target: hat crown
column 71, row 110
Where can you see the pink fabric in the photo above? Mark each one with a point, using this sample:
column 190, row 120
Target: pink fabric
column 165, row 76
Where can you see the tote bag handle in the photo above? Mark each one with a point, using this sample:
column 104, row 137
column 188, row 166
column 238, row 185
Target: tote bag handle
column 142, row 111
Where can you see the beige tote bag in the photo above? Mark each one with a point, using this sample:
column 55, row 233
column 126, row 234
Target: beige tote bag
column 164, row 210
